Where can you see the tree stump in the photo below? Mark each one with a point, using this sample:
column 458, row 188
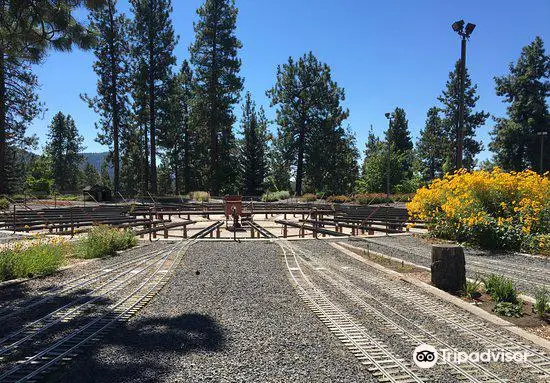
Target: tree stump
column 448, row 268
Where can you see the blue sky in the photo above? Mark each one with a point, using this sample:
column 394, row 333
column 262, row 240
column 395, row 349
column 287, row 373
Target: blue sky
column 384, row 54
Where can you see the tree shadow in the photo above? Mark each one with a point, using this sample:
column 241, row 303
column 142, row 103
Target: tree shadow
column 142, row 350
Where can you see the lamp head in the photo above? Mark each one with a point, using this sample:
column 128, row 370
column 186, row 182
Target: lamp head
column 469, row 29
column 458, row 26
column 388, row 115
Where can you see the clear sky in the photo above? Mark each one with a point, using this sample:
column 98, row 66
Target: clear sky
column 384, row 53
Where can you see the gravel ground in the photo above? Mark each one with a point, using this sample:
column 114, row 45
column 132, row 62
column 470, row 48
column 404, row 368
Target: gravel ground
column 8, row 237
column 529, row 273
column 323, row 256
column 236, row 320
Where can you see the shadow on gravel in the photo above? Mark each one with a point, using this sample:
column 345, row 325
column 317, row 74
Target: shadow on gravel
column 143, row 350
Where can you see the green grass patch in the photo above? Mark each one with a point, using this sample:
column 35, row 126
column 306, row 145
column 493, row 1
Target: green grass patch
column 275, row 196
column 542, row 302
column 501, row 289
column 4, row 204
column 200, row 196
column 38, row 260
column 309, row 197
column 104, row 241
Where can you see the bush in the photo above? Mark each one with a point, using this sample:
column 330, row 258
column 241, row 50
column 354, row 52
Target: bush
column 369, row 199
column 199, row 196
column 509, row 309
column 4, row 204
column 472, row 289
column 103, row 241
column 309, row 197
column 275, row 196
column 542, row 302
column 494, row 210
column 501, row 289
column 35, row 260
column 338, row 199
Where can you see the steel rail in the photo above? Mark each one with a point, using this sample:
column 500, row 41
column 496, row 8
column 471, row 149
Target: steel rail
column 369, row 350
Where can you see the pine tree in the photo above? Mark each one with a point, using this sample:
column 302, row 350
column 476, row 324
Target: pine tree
column 112, row 69
column 310, row 116
column 179, row 138
column 27, row 29
column 515, row 140
column 253, row 148
column 398, row 132
column 104, row 174
column 432, row 146
column 279, row 162
column 450, row 98
column 218, row 86
column 64, row 147
column 153, row 43
column 90, row 175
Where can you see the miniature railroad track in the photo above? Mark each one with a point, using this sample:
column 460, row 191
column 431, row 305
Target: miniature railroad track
column 207, row 230
column 528, row 275
column 467, row 372
column 538, row 362
column 160, row 267
column 72, row 285
column 372, row 352
column 263, row 231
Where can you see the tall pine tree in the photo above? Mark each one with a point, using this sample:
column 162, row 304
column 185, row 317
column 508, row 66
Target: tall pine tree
column 218, row 85
column 527, row 87
column 310, row 116
column 450, row 98
column 153, row 43
column 112, row 69
column 63, row 148
column 27, row 30
column 253, row 148
column 432, row 146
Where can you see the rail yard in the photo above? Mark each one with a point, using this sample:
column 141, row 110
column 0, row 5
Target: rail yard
column 250, row 291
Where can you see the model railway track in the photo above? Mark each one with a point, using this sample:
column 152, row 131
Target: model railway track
column 73, row 285
column 528, row 275
column 160, row 269
column 372, row 352
column 263, row 231
column 538, row 362
column 414, row 334
column 207, row 230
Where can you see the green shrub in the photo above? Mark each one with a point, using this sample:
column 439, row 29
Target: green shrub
column 472, row 288
column 103, row 241
column 542, row 302
column 309, row 197
column 368, row 199
column 38, row 260
column 509, row 309
column 200, row 196
column 275, row 196
column 501, row 289
column 4, row 204
column 338, row 199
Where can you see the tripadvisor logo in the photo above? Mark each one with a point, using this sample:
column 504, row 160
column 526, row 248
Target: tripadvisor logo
column 426, row 356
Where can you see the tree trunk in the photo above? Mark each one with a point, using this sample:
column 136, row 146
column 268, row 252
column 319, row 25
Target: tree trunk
column 448, row 268
column 3, row 128
column 213, row 118
column 145, row 162
column 152, row 110
column 114, row 107
column 300, row 165
column 186, row 170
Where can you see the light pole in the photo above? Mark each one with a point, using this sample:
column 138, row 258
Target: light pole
column 541, row 134
column 464, row 33
column 388, row 116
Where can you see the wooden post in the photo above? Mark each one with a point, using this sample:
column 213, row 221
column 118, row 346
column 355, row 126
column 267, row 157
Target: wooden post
column 251, row 232
column 165, row 233
column 285, row 215
column 218, row 232
column 184, row 231
column 448, row 268
column 284, row 231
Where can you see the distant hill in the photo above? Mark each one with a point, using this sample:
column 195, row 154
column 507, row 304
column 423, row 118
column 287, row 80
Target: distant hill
column 95, row 159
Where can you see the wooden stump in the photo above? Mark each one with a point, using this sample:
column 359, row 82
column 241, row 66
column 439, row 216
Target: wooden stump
column 448, row 268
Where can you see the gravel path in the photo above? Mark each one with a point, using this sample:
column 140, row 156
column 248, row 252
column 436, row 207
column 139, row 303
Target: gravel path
column 529, row 273
column 238, row 320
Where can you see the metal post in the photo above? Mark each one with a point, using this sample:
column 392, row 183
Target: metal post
column 460, row 128
column 388, row 173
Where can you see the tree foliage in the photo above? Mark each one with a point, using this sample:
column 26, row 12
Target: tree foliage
column 63, row 148
column 433, row 146
column 217, row 88
column 310, row 116
column 526, row 89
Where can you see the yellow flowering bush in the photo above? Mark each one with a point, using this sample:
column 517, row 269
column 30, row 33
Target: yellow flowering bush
column 495, row 210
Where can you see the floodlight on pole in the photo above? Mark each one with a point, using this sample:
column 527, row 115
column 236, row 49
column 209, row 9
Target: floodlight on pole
column 458, row 27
